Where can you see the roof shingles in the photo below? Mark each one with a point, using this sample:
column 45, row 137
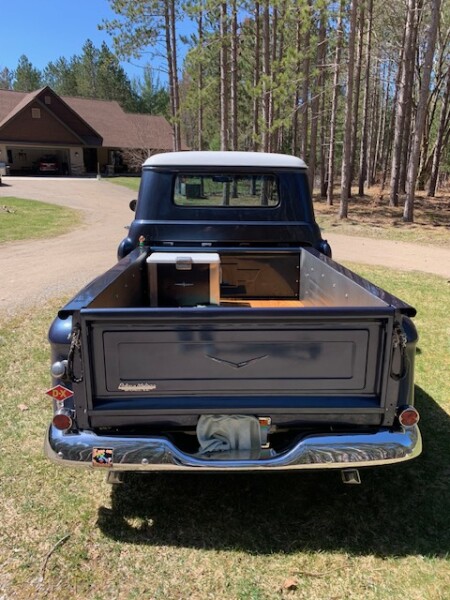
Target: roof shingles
column 117, row 128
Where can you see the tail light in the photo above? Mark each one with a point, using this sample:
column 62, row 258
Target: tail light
column 63, row 419
column 408, row 416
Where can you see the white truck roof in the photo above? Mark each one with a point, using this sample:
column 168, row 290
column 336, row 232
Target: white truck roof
column 224, row 159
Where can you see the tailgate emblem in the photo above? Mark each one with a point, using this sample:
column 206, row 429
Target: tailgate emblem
column 237, row 365
column 137, row 387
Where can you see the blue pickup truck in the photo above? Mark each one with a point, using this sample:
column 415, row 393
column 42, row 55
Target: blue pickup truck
column 226, row 338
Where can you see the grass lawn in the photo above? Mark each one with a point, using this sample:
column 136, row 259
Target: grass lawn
column 246, row 537
column 22, row 219
column 132, row 183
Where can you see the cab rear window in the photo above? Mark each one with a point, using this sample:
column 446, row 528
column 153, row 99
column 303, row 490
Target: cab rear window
column 226, row 190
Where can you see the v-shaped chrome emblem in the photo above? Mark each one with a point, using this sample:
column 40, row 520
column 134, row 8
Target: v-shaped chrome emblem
column 236, row 365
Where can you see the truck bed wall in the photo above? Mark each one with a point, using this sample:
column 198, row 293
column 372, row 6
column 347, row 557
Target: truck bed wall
column 325, row 283
column 300, row 274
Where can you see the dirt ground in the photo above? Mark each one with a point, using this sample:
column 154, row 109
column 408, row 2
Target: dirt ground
column 37, row 270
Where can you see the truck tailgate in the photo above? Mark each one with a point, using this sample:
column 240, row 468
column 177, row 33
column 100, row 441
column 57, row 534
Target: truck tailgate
column 192, row 361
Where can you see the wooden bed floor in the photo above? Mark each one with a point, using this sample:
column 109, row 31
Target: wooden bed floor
column 263, row 303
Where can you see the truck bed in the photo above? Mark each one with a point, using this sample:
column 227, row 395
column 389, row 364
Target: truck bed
column 317, row 360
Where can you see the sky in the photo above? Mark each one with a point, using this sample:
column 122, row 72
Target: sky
column 44, row 30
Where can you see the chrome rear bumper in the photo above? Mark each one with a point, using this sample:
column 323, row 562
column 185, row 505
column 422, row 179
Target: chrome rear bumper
column 159, row 454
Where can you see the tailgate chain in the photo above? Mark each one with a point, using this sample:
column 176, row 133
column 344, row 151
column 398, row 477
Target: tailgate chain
column 75, row 346
column 399, row 341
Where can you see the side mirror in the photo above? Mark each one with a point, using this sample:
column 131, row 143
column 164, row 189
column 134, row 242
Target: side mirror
column 133, row 205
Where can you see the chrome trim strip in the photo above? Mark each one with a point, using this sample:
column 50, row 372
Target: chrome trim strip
column 312, row 452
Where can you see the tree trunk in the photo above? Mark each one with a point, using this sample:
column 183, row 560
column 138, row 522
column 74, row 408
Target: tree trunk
column 391, row 137
column 426, row 159
column 273, row 77
column 380, row 128
column 223, row 77
column 374, row 126
column 295, row 108
column 440, row 137
column 409, row 93
column 315, row 103
column 334, row 105
column 323, row 132
column 420, row 184
column 365, row 117
column 266, row 76
column 305, row 86
column 402, row 102
column 384, row 113
column 234, row 76
column 408, row 213
column 168, row 41
column 278, row 55
column 224, row 138
column 357, row 93
column 200, row 83
column 234, row 86
column 347, row 150
column 256, row 100
column 176, row 87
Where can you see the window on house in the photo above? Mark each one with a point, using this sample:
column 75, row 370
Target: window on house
column 47, row 99
column 36, row 113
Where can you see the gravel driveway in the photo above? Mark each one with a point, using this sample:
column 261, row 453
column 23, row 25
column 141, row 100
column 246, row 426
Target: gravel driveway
column 37, row 270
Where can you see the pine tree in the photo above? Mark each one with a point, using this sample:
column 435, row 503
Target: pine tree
column 26, row 77
column 6, row 79
column 61, row 76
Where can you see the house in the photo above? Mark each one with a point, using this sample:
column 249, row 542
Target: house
column 43, row 132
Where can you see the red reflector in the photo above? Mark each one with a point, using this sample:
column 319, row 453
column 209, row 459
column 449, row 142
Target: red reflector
column 62, row 421
column 409, row 417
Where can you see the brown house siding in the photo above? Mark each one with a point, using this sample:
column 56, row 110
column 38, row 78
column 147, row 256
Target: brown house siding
column 75, row 122
column 23, row 128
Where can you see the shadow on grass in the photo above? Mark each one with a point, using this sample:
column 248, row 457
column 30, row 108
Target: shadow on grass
column 398, row 510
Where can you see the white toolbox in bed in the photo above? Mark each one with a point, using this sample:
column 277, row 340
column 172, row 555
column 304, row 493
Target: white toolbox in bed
column 184, row 278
